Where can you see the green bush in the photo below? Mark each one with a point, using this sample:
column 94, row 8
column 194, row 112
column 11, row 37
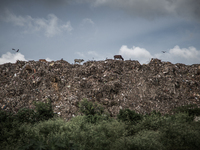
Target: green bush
column 76, row 134
column 191, row 109
column 88, row 108
column 145, row 140
column 26, row 115
column 10, row 123
column 47, row 135
column 7, row 127
column 180, row 136
column 155, row 113
column 93, row 111
column 127, row 115
column 101, row 136
column 149, row 122
column 6, row 119
column 38, row 129
column 44, row 111
column 153, row 121
column 179, row 131
column 180, row 118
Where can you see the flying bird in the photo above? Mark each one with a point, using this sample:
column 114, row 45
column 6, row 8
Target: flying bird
column 15, row 50
column 164, row 51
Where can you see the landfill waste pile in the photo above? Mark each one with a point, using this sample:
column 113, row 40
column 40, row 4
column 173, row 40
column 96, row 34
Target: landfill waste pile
column 115, row 84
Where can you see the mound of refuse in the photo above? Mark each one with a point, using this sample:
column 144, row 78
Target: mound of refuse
column 115, row 84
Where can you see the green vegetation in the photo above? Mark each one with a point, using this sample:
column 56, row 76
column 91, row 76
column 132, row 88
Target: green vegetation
column 129, row 116
column 39, row 129
column 191, row 109
column 93, row 112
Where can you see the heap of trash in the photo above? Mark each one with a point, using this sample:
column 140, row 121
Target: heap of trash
column 115, row 84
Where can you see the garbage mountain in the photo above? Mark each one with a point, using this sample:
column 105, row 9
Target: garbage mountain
column 115, row 84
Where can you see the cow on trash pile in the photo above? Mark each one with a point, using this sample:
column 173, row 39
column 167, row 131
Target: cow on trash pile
column 118, row 57
column 43, row 60
column 78, row 60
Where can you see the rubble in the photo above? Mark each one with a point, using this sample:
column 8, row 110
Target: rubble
column 115, row 84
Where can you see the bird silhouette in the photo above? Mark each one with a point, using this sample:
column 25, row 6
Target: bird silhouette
column 164, row 51
column 15, row 50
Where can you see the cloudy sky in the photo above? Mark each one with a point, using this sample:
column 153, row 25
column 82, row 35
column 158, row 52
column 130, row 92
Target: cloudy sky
column 99, row 29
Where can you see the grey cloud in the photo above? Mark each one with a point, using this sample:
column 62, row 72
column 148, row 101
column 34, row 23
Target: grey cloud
column 48, row 3
column 55, row 3
column 50, row 26
column 140, row 8
column 87, row 20
column 154, row 8
column 187, row 8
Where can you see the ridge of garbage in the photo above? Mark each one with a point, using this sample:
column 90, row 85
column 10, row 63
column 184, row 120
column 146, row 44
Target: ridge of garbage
column 115, row 84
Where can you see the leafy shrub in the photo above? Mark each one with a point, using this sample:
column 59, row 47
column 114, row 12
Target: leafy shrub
column 156, row 113
column 128, row 115
column 25, row 115
column 75, row 134
column 88, row 108
column 101, row 136
column 145, row 140
column 44, row 110
column 180, row 118
column 47, row 135
column 9, row 128
column 180, row 136
column 94, row 112
column 191, row 109
column 10, row 123
column 153, row 121
column 149, row 122
column 6, row 120
column 6, row 126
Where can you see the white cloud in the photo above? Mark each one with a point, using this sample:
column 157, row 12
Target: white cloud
column 99, row 56
column 87, row 20
column 80, row 54
column 50, row 26
column 175, row 55
column 48, row 59
column 136, row 53
column 93, row 53
column 11, row 57
column 67, row 26
column 188, row 55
